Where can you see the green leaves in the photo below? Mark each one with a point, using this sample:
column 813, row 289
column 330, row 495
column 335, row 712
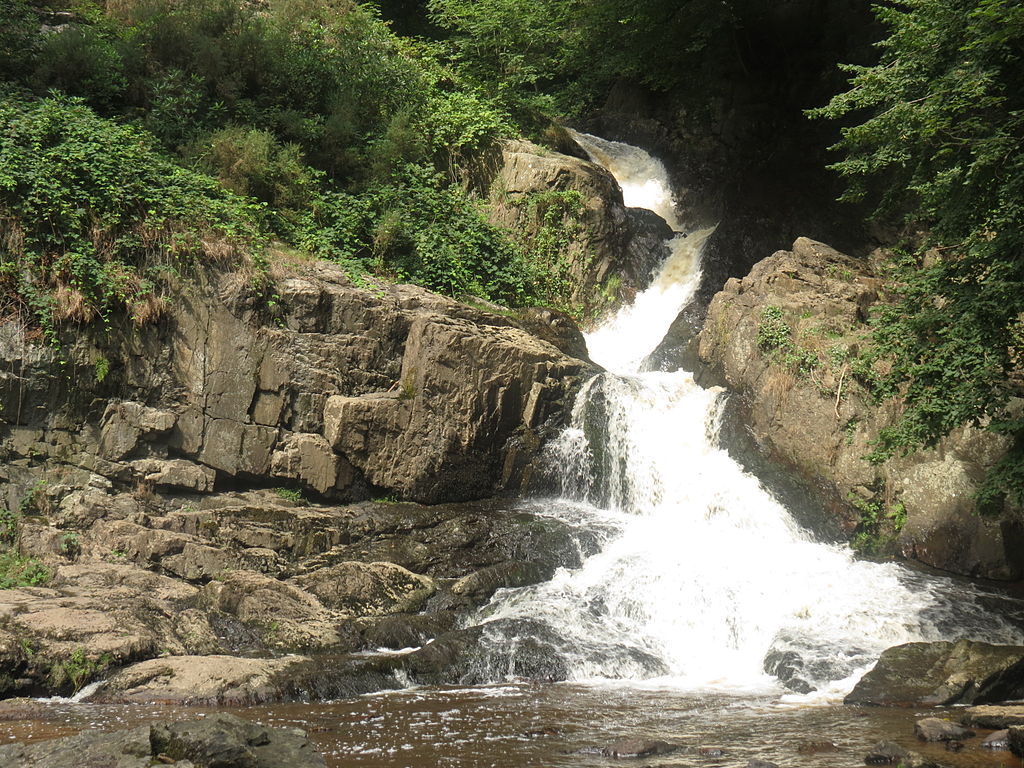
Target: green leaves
column 943, row 143
column 415, row 229
column 87, row 206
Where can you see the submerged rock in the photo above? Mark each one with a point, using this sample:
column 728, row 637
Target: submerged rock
column 937, row 729
column 997, row 740
column 890, row 753
column 964, row 672
column 220, row 740
column 639, row 748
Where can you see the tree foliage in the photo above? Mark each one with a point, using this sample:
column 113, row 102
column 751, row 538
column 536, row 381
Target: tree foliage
column 563, row 55
column 941, row 136
column 91, row 213
column 133, row 132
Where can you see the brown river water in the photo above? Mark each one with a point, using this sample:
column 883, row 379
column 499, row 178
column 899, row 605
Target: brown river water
column 554, row 726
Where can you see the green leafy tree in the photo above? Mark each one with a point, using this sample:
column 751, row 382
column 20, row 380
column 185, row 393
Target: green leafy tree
column 941, row 136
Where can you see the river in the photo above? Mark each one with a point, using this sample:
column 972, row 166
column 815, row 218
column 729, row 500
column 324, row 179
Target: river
column 703, row 585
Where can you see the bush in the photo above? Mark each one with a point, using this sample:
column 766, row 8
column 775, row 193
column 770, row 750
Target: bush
column 16, row 570
column 416, row 229
column 940, row 137
column 88, row 209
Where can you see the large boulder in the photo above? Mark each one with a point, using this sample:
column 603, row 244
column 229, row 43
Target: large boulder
column 198, row 681
column 614, row 248
column 785, row 338
column 220, row 740
column 942, row 673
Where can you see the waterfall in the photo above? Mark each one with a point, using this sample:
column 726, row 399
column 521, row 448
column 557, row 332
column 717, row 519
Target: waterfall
column 704, row 578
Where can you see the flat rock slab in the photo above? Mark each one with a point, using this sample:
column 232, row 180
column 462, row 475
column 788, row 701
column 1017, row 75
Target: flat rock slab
column 964, row 672
column 937, row 729
column 218, row 741
column 197, row 680
column 995, row 717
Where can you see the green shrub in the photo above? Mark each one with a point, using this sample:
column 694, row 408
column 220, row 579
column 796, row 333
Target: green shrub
column 773, row 332
column 17, row 570
column 937, row 139
column 417, row 229
column 290, row 494
column 91, row 212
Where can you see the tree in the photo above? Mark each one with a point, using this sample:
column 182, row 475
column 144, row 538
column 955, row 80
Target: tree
column 942, row 140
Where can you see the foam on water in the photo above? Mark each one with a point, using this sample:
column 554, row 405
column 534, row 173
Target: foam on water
column 703, row 573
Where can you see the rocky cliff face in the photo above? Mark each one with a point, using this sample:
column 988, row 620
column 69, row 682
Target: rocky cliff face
column 783, row 338
column 136, row 464
column 614, row 248
column 346, row 392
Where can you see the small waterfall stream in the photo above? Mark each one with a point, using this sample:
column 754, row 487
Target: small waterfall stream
column 703, row 576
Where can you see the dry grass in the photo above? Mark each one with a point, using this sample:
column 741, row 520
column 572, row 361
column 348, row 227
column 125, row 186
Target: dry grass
column 778, row 383
column 71, row 305
column 148, row 309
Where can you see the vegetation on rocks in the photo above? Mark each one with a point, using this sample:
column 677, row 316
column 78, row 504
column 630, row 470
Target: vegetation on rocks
column 943, row 146
column 138, row 136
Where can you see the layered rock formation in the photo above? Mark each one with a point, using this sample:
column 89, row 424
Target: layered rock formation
column 201, row 579
column 135, row 465
column 346, row 392
column 784, row 338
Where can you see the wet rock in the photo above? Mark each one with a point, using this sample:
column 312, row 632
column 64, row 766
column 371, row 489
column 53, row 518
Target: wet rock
column 198, row 680
column 517, row 647
column 1016, row 739
column 638, row 748
column 788, row 667
column 407, row 631
column 937, row 729
column 964, row 672
column 710, row 752
column 997, row 740
column 225, row 741
column 368, row 589
column 890, row 753
column 998, row 717
column 821, row 427
column 218, row 741
column 480, row 585
column 761, row 764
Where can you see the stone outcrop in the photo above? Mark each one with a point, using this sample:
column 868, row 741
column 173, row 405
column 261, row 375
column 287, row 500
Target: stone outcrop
column 160, row 582
column 614, row 248
column 994, row 717
column 943, row 673
column 345, row 391
column 784, row 339
column 220, row 740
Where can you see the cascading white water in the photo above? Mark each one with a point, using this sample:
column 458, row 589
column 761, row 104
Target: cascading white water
column 703, row 574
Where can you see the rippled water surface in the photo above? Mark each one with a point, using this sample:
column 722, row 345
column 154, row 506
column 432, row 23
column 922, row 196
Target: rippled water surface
column 554, row 725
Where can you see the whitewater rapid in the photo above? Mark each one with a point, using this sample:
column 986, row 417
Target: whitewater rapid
column 702, row 575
